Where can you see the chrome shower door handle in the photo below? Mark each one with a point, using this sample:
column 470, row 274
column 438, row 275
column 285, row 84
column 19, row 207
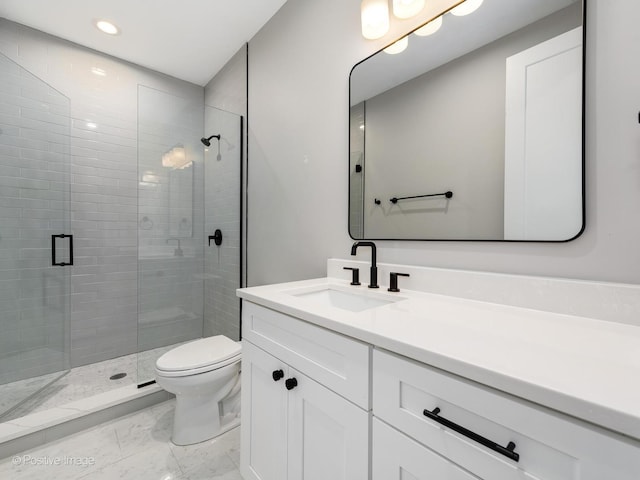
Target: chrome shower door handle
column 53, row 251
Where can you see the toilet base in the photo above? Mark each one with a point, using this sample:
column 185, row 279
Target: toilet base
column 190, row 428
column 182, row 441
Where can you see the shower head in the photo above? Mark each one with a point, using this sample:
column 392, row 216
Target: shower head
column 207, row 141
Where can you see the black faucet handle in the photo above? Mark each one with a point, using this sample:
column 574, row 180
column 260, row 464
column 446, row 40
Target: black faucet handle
column 393, row 281
column 355, row 275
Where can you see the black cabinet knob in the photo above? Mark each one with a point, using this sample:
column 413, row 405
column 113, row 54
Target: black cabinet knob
column 291, row 383
column 277, row 375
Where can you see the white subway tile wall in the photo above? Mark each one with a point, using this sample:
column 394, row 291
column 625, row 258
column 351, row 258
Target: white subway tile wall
column 222, row 199
column 227, row 91
column 170, row 220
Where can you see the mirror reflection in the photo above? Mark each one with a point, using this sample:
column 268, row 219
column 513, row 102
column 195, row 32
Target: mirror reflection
column 473, row 130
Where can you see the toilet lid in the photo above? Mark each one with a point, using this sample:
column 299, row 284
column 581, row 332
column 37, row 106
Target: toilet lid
column 199, row 353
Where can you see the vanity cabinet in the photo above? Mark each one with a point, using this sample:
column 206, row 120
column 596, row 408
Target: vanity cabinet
column 342, row 408
column 535, row 443
column 295, row 427
column 398, row 457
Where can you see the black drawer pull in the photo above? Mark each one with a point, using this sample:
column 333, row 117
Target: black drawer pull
column 507, row 451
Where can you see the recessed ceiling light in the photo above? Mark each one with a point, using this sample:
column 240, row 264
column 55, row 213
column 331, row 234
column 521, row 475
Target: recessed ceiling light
column 107, row 27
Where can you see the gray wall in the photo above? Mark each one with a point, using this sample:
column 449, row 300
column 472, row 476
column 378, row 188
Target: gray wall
column 445, row 130
column 104, row 182
column 298, row 184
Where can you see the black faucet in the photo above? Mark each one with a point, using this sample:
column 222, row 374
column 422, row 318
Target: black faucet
column 373, row 276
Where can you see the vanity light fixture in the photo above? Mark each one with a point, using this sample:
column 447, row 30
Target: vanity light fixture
column 107, row 27
column 466, row 8
column 430, row 28
column 407, row 8
column 397, row 47
column 374, row 17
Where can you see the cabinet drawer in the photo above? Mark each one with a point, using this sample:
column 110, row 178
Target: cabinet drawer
column 551, row 446
column 333, row 360
column 397, row 457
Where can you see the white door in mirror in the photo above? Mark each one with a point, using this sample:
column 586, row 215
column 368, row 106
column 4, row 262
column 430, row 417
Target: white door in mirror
column 543, row 141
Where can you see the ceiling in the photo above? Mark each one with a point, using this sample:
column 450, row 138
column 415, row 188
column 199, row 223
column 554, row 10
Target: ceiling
column 188, row 39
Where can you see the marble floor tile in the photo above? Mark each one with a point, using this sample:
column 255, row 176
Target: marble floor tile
column 153, row 463
column 79, row 383
column 71, row 457
column 135, row 447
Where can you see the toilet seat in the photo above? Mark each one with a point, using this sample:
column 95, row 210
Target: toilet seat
column 199, row 356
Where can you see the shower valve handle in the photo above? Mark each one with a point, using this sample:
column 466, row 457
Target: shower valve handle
column 216, row 237
column 277, row 375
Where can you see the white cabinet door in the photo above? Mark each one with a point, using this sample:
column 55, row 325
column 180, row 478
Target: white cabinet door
column 397, row 457
column 304, row 432
column 263, row 454
column 328, row 435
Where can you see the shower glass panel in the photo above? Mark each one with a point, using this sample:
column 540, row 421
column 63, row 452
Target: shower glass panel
column 170, row 224
column 34, row 226
column 222, row 160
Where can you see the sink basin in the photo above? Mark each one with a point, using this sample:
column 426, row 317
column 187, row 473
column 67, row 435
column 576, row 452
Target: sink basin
column 351, row 301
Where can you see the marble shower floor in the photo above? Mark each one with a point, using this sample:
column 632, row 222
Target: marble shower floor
column 135, row 447
column 79, row 383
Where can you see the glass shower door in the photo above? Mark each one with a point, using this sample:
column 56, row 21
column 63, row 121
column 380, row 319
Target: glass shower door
column 35, row 242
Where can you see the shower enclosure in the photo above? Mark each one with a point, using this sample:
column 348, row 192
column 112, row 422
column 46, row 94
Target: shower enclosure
column 35, row 242
column 186, row 274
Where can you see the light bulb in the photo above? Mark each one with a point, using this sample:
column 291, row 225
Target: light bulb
column 407, row 8
column 397, row 47
column 466, row 8
column 430, row 28
column 374, row 15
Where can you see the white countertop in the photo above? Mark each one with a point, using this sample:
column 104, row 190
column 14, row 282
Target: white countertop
column 583, row 367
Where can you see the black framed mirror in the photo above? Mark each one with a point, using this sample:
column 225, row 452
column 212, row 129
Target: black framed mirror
column 475, row 131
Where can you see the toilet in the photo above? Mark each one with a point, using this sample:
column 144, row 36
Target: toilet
column 204, row 375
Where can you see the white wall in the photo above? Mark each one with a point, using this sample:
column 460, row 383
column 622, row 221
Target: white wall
column 299, row 65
